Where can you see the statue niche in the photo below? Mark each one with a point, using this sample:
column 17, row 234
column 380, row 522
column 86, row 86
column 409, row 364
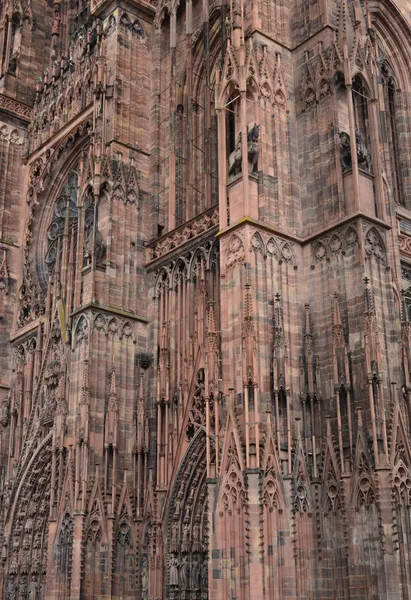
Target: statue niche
column 363, row 153
column 235, row 157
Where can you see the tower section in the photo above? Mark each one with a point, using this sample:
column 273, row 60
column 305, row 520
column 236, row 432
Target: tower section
column 76, row 439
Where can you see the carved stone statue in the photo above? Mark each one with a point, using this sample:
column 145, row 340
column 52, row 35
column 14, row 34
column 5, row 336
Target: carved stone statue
column 15, row 44
column 33, row 595
column 174, row 566
column 204, row 574
column 345, row 151
column 236, row 14
column 363, row 153
column 196, row 573
column 253, row 148
column 23, row 588
column 196, row 532
column 185, row 574
column 100, row 249
column 144, row 579
column 234, row 160
column 11, row 589
column 4, row 412
column 186, row 535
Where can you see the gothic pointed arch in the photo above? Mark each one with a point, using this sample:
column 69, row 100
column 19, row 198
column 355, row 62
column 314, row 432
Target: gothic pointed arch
column 274, row 520
column 273, row 492
column 232, row 508
column 332, row 494
column 196, row 408
column 333, row 516
column 363, row 486
column 187, row 525
column 64, row 544
column 124, row 577
column 95, row 581
column 27, row 509
column 302, row 496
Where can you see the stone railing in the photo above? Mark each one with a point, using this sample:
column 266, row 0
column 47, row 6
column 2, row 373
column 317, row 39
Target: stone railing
column 16, row 108
column 183, row 234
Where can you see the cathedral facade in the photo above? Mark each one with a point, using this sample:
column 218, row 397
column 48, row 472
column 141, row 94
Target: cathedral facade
column 205, row 299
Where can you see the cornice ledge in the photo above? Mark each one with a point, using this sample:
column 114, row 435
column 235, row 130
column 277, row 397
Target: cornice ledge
column 16, row 108
column 109, row 309
column 302, row 240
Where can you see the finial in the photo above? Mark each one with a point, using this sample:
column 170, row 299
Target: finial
column 113, row 384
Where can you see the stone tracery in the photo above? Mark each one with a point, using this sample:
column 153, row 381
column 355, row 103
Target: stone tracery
column 161, row 370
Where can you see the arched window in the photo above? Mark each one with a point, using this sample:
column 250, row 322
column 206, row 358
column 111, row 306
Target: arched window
column 362, row 128
column 204, row 147
column 88, row 229
column 230, row 127
column 233, row 135
column 15, row 43
column 67, row 200
column 5, row 40
column 125, row 571
column 390, row 91
column 64, row 555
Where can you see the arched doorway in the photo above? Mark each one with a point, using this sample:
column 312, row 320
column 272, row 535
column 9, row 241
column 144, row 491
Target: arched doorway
column 188, row 528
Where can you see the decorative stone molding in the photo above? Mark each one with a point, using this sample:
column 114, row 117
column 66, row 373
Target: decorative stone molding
column 180, row 236
column 406, row 271
column 336, row 243
column 374, row 242
column 108, row 323
column 235, row 252
column 16, row 108
column 272, row 246
column 404, row 241
column 186, row 264
column 10, row 134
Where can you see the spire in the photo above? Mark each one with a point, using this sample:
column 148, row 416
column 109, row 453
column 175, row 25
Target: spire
column 85, row 389
column 211, row 330
column 112, row 398
column 368, row 298
column 65, row 247
column 211, row 318
column 113, row 384
column 141, row 415
column 164, row 336
column 248, row 323
column 278, row 323
column 338, row 330
column 342, row 23
column 57, row 267
column 308, row 338
column 111, row 415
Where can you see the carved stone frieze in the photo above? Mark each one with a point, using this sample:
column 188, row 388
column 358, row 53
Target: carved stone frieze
column 10, row 134
column 336, row 243
column 17, row 108
column 187, row 264
column 95, row 320
column 270, row 245
column 178, row 238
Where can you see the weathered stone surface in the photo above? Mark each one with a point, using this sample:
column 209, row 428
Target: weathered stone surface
column 205, row 300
